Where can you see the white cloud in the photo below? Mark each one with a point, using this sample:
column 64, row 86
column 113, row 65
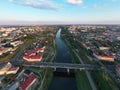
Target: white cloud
column 76, row 2
column 99, row 5
column 39, row 4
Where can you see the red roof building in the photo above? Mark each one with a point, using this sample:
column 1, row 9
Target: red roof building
column 32, row 58
column 102, row 57
column 39, row 50
column 34, row 51
column 28, row 83
column 12, row 70
column 32, row 54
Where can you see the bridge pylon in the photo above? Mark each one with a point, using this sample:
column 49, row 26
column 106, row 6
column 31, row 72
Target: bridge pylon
column 54, row 69
column 68, row 70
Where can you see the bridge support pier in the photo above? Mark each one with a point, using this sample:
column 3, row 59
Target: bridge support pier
column 68, row 70
column 54, row 69
column 80, row 69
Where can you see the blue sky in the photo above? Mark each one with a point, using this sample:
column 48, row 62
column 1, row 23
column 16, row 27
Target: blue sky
column 59, row 12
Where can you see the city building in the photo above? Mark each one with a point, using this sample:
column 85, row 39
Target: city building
column 32, row 58
column 4, row 50
column 104, row 48
column 29, row 83
column 103, row 57
column 34, row 54
column 118, row 70
column 8, row 70
column 5, row 68
column 16, row 43
column 14, row 86
column 12, row 70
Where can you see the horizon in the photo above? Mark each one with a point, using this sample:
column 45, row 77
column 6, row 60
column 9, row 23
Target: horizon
column 45, row 12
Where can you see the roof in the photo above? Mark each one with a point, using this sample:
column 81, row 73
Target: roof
column 13, row 69
column 28, row 57
column 32, row 57
column 107, row 56
column 34, row 51
column 35, row 57
column 30, row 52
column 26, row 84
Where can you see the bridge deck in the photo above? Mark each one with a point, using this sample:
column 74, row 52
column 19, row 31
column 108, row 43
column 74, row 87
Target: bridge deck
column 58, row 65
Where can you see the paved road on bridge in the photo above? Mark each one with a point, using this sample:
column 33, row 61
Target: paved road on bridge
column 58, row 65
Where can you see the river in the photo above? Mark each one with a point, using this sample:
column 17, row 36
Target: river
column 63, row 56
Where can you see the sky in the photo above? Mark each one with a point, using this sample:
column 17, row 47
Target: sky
column 14, row 12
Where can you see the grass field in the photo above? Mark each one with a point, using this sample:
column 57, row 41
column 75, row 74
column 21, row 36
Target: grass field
column 82, row 81
column 100, row 82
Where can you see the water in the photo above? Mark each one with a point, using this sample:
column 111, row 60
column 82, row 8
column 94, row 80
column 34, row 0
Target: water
column 63, row 56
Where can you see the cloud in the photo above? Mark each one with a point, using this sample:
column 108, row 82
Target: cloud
column 76, row 2
column 39, row 4
column 96, row 6
column 99, row 5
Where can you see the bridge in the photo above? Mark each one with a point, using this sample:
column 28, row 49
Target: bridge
column 58, row 65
